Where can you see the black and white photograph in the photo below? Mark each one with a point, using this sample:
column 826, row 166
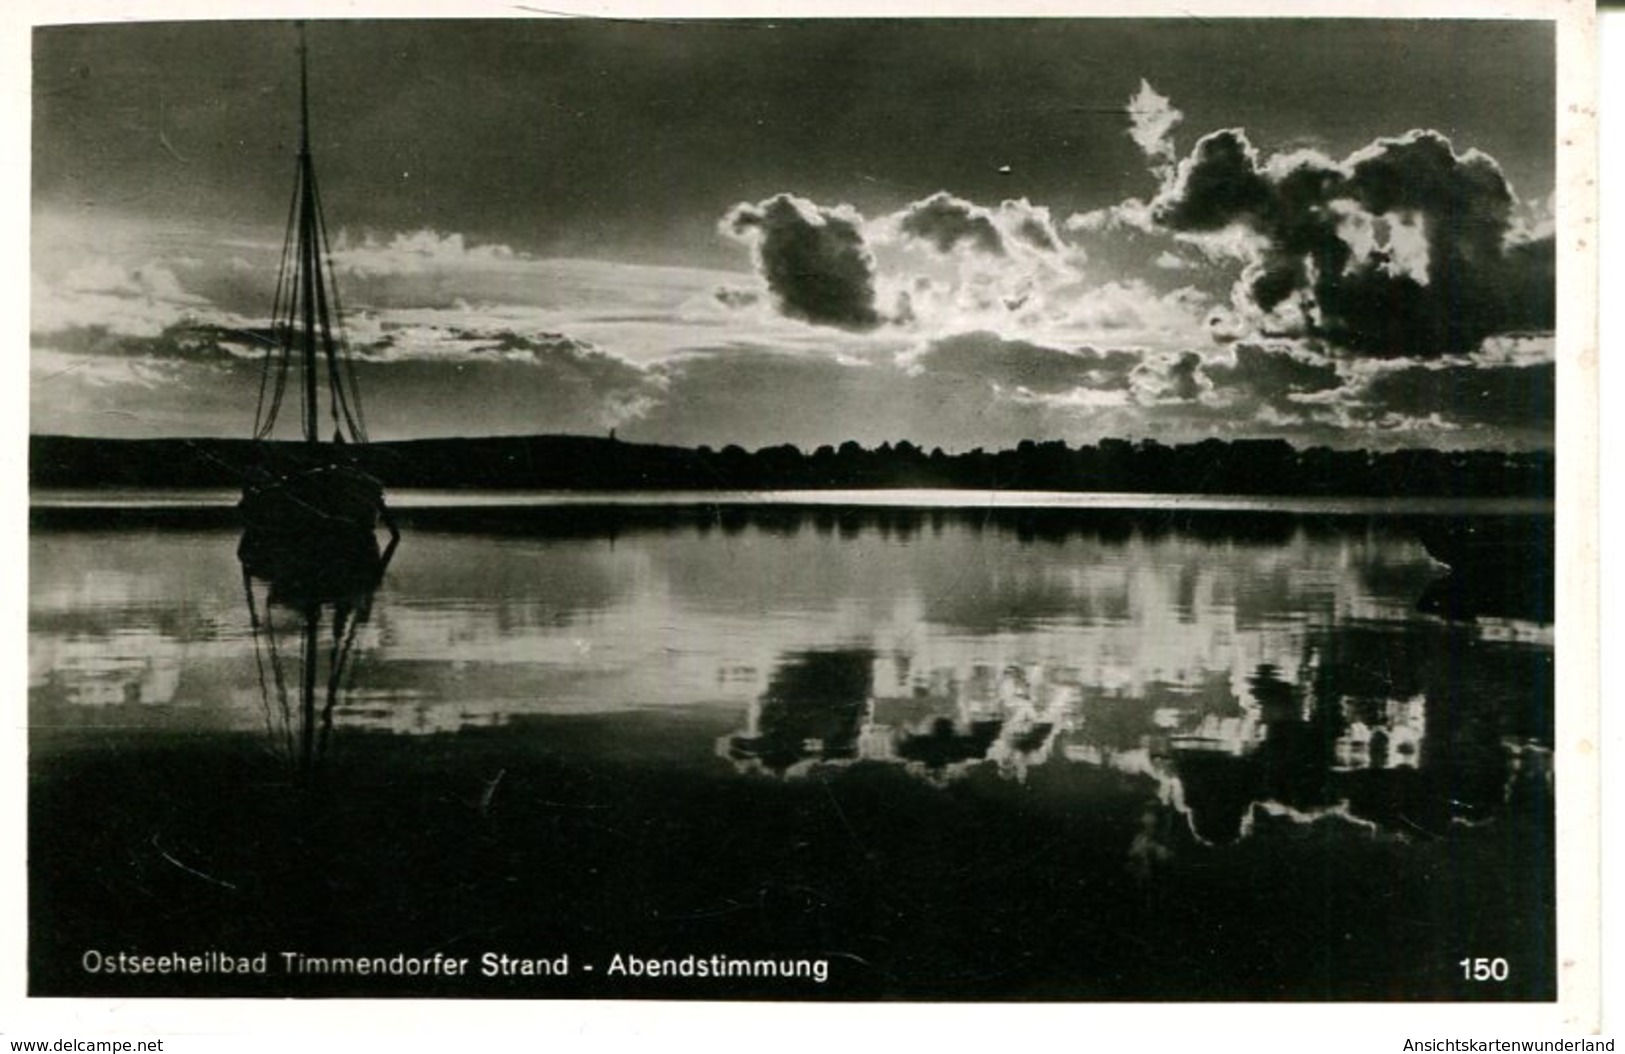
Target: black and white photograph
column 928, row 509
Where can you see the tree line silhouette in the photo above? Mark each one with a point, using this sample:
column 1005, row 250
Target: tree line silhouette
column 1212, row 466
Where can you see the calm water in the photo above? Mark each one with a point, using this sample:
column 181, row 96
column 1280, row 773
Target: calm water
column 1071, row 753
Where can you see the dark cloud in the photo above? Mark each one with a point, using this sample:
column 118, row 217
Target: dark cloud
column 1032, row 224
column 514, row 347
column 1184, row 380
column 1475, row 280
column 977, row 389
column 426, row 381
column 1273, row 372
column 813, row 259
column 1037, row 234
column 181, row 342
column 945, row 222
column 1018, row 363
column 1186, row 385
column 1162, row 380
column 213, row 343
column 1507, row 397
column 1527, row 283
column 1218, row 185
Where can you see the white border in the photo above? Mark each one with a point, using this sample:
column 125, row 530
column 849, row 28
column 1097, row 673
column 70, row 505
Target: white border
column 432, row 1025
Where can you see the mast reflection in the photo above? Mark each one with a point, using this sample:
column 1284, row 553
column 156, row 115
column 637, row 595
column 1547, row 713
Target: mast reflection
column 306, row 605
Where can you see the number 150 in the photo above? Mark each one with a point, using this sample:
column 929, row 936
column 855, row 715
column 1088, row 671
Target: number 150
column 1484, row 969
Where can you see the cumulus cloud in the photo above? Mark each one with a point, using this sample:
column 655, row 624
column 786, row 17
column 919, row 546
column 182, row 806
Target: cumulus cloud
column 1405, row 248
column 814, row 259
column 414, row 252
column 946, row 222
column 950, row 264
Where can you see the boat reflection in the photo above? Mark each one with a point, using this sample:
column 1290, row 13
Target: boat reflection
column 306, row 606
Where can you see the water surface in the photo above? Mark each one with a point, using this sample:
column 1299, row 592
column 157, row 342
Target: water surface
column 1064, row 752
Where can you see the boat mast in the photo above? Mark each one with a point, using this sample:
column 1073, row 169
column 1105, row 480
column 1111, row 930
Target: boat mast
column 304, row 308
column 307, row 249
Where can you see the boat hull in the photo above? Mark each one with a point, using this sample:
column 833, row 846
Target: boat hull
column 314, row 501
column 312, row 525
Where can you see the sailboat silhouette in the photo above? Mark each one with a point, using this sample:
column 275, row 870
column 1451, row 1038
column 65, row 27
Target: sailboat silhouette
column 310, row 494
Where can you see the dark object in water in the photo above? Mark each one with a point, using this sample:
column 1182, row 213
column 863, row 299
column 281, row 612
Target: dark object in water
column 321, row 490
column 325, row 583
column 1500, row 566
column 339, row 563
column 312, row 503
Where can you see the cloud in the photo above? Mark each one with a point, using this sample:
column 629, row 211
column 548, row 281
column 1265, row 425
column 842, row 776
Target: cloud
column 415, row 252
column 1217, row 186
column 1516, row 349
column 1534, row 220
column 152, row 281
column 201, row 343
column 1405, row 248
column 1018, row 364
column 392, row 342
column 139, row 300
column 968, row 391
column 1031, row 225
column 951, row 265
column 1152, row 120
column 1505, row 396
column 203, row 379
column 758, row 397
column 945, row 222
column 814, row 259
column 1274, row 372
column 1131, row 216
column 1164, row 379
column 1133, row 310
column 1502, row 397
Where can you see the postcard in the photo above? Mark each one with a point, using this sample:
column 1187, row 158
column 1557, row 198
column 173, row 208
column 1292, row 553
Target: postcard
column 1072, row 507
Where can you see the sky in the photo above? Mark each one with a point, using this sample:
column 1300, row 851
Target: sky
column 956, row 233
